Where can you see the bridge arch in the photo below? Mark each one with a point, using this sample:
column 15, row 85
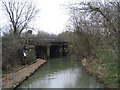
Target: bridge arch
column 53, row 49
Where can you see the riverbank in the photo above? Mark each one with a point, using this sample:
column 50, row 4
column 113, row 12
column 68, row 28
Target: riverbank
column 61, row 72
column 13, row 79
column 99, row 72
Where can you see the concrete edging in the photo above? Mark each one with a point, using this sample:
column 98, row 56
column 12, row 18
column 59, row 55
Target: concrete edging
column 13, row 80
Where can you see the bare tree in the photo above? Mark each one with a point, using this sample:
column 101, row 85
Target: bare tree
column 19, row 14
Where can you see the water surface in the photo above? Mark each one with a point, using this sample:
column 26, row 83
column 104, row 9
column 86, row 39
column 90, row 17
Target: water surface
column 62, row 72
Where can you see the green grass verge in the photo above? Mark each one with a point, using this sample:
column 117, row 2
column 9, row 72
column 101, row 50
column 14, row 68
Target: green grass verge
column 107, row 64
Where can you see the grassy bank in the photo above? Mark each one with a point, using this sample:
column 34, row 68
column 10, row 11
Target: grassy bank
column 105, row 66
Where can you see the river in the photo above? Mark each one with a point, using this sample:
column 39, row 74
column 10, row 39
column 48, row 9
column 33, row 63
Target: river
column 63, row 72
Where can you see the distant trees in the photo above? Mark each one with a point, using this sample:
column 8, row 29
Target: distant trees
column 45, row 35
column 19, row 14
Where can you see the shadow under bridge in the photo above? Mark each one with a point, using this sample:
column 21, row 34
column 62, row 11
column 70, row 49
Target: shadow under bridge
column 52, row 49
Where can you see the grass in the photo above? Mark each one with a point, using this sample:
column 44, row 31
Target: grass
column 107, row 63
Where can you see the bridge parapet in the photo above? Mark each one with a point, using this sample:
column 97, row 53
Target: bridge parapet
column 47, row 47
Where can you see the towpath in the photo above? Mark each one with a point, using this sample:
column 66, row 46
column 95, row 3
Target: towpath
column 13, row 79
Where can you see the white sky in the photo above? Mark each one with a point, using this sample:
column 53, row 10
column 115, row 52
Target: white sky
column 52, row 17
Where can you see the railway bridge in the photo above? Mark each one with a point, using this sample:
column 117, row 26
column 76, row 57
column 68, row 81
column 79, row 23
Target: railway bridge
column 50, row 48
column 45, row 47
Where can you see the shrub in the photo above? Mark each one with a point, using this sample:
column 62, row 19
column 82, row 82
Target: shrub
column 11, row 47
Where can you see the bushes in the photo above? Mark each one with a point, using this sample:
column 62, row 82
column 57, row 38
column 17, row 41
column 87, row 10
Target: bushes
column 83, row 44
column 30, row 56
column 12, row 53
column 11, row 48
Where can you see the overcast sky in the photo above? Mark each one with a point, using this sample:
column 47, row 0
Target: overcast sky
column 52, row 17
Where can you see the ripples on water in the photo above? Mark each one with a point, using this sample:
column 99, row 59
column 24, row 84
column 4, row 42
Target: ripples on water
column 61, row 73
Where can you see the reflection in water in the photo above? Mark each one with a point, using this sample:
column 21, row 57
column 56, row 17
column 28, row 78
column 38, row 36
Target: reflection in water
column 61, row 73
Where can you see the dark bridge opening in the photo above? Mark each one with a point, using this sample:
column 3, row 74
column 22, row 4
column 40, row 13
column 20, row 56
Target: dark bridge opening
column 54, row 51
column 40, row 51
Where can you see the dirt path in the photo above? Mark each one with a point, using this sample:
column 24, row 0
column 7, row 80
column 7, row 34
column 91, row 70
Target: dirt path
column 13, row 79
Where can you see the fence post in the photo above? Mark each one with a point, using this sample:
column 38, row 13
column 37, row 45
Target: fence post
column 37, row 64
column 20, row 77
column 44, row 57
column 27, row 70
column 9, row 84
